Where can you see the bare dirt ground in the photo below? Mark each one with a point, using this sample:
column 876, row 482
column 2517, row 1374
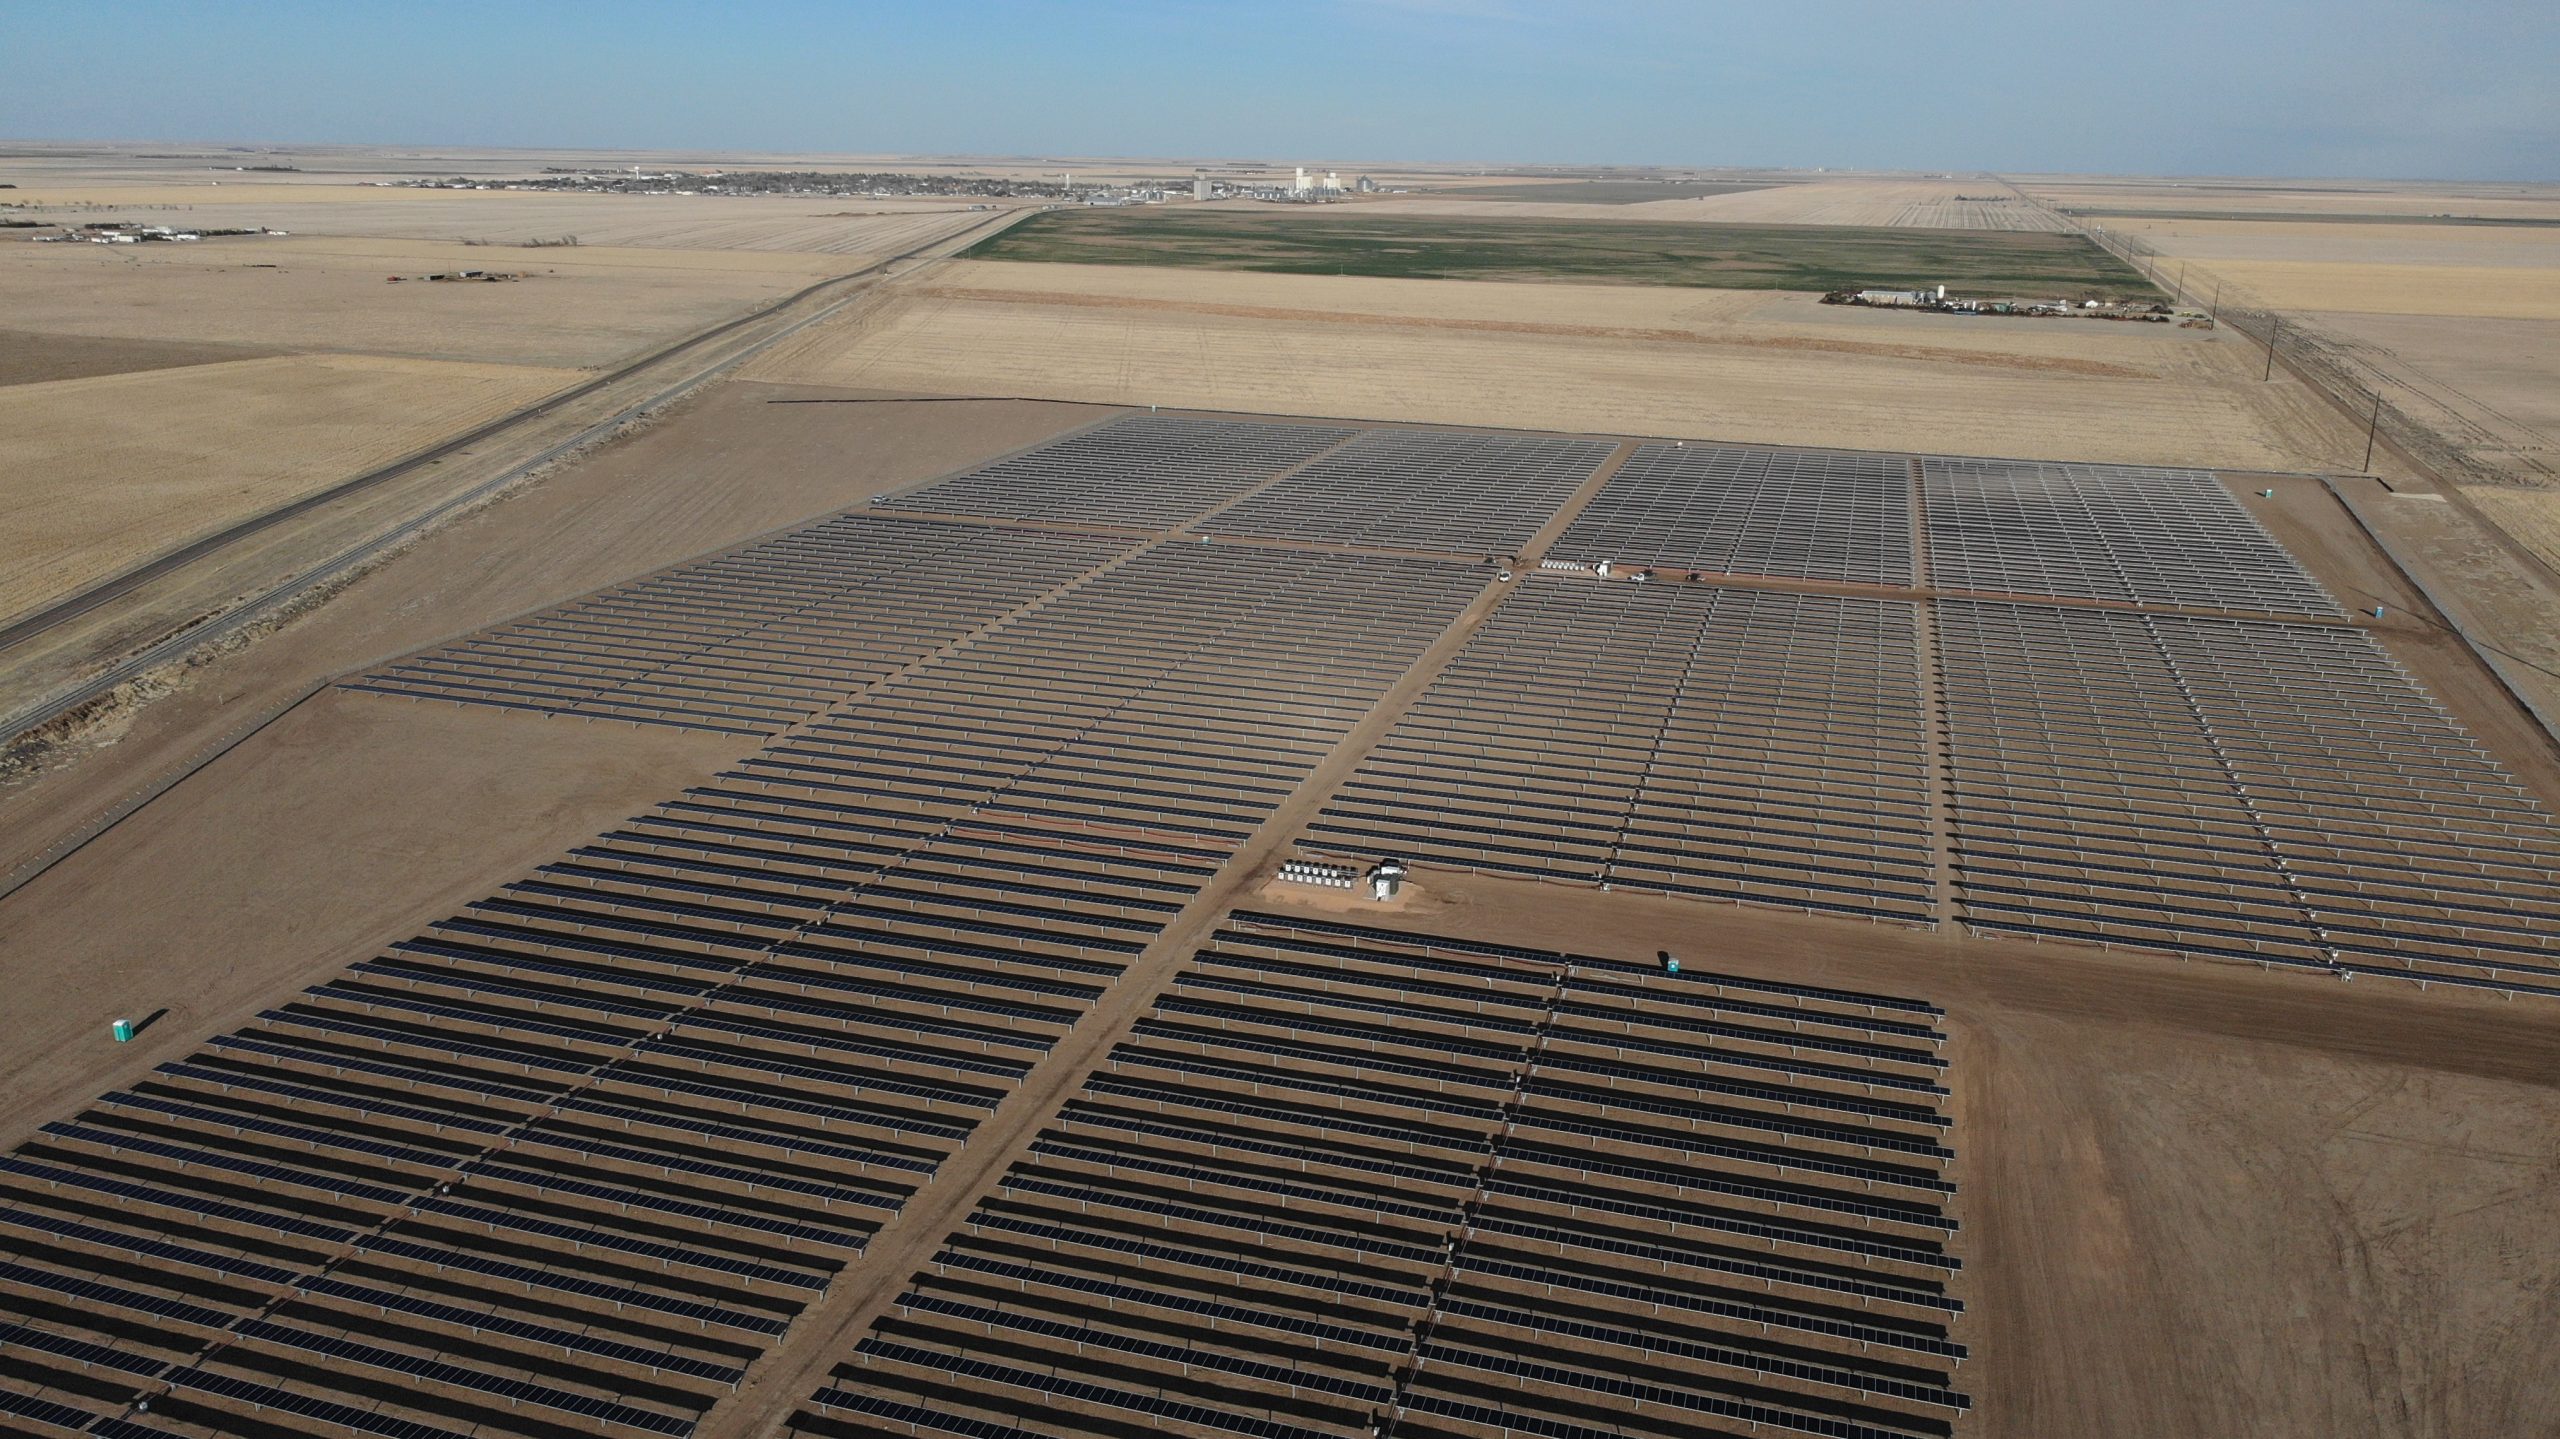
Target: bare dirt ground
column 355, row 817
column 2504, row 603
column 27, row 358
column 2198, row 1199
column 113, row 469
column 2485, row 384
column 1777, row 369
column 2532, row 516
column 203, row 905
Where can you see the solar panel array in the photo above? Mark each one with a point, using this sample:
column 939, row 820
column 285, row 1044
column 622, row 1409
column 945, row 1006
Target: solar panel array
column 2106, row 532
column 1148, row 472
column 750, row 642
column 1344, row 1182
column 1175, row 698
column 1727, row 744
column 1469, row 494
column 2263, row 791
column 1800, row 514
column 570, row 1159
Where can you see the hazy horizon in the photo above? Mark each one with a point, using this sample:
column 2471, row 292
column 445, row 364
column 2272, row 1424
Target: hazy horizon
column 2363, row 89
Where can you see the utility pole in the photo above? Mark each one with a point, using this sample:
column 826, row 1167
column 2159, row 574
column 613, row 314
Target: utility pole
column 2371, row 425
column 2274, row 329
column 2213, row 311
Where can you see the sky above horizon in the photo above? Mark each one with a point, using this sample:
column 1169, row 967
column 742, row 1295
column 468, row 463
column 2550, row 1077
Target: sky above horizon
column 2357, row 88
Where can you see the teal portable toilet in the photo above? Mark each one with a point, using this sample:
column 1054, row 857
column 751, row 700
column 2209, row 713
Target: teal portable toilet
column 123, row 1030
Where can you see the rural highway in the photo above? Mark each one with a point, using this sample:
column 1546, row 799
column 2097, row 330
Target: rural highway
column 702, row 348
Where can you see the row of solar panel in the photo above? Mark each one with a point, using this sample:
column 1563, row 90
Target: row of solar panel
column 1274, row 1225
column 1723, row 743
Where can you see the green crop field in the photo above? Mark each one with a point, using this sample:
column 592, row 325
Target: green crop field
column 1344, row 241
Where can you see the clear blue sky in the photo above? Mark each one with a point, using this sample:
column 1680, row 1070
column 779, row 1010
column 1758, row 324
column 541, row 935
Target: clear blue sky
column 2459, row 89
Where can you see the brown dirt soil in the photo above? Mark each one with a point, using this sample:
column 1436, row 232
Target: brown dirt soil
column 2504, row 602
column 2532, row 516
column 2198, row 1199
column 27, row 358
column 203, row 901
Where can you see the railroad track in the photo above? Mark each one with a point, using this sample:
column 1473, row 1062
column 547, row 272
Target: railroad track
column 266, row 604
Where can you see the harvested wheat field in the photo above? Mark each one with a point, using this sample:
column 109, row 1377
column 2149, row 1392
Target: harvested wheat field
column 107, row 472
column 2440, row 201
column 2456, row 324
column 577, row 307
column 2467, row 291
column 1770, row 368
column 2348, row 240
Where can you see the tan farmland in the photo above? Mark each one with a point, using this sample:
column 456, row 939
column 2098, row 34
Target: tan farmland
column 847, row 226
column 583, row 306
column 2456, row 325
column 1919, row 204
column 2415, row 199
column 109, row 471
column 2464, row 291
column 1771, row 368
